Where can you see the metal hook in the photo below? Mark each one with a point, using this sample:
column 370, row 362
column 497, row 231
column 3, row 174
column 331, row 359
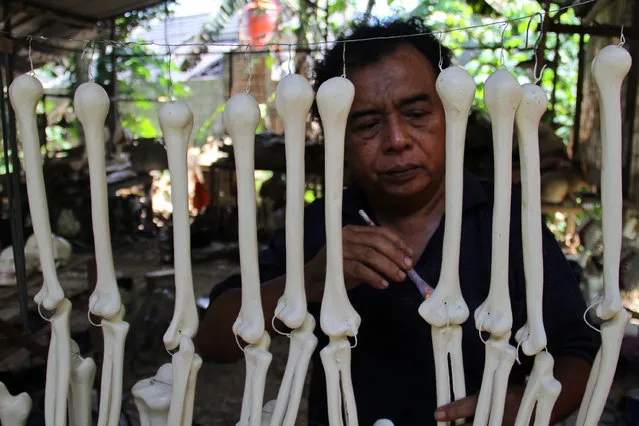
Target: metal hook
column 343, row 59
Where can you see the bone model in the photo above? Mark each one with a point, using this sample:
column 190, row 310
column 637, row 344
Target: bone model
column 24, row 93
column 502, row 95
column 293, row 100
column 529, row 112
column 14, row 410
column 338, row 319
column 241, row 118
column 82, row 376
column 445, row 310
column 541, row 392
column 609, row 68
column 92, row 105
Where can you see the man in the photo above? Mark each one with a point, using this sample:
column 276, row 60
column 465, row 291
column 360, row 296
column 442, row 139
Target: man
column 395, row 154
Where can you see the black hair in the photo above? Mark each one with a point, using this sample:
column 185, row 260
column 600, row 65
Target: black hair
column 386, row 37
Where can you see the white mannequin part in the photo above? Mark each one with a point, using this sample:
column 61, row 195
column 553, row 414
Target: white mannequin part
column 542, row 369
column 114, row 332
column 447, row 345
column 182, row 363
column 153, row 397
column 14, row 410
column 241, row 118
column 334, row 99
column 336, row 359
column 502, row 94
column 176, row 122
column 25, row 92
column 189, row 399
column 58, row 367
column 258, row 359
column 446, row 305
column 302, row 344
column 603, row 370
column 534, row 103
column 81, row 384
column 500, row 357
column 609, row 68
column 293, row 100
column 91, row 106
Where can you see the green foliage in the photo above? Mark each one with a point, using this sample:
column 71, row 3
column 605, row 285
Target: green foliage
column 489, row 48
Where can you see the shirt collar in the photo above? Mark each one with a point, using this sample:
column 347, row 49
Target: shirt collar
column 355, row 198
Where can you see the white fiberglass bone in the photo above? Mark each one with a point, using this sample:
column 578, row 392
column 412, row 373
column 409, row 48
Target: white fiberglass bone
column 25, row 92
column 500, row 357
column 293, row 100
column 609, row 68
column 182, row 363
column 447, row 343
column 334, row 99
column 336, row 359
column 153, row 397
column 303, row 343
column 534, row 103
column 81, row 384
column 114, row 332
column 446, row 305
column 176, row 122
column 542, row 369
column 603, row 369
column 241, row 118
column 58, row 367
column 550, row 390
column 502, row 94
column 258, row 359
column 189, row 398
column 91, row 104
column 14, row 410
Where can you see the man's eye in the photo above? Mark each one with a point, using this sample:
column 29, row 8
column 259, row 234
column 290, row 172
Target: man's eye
column 416, row 113
column 366, row 125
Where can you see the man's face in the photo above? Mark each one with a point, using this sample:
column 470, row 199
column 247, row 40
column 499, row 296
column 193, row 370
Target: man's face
column 395, row 138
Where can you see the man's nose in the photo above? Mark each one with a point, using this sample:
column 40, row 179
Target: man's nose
column 398, row 138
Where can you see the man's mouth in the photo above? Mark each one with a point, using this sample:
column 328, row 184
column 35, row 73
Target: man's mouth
column 400, row 174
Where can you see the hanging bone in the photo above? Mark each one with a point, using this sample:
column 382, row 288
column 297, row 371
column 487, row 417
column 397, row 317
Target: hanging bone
column 502, row 95
column 532, row 335
column 25, row 93
column 241, row 118
column 542, row 390
column 445, row 310
column 609, row 68
column 293, row 100
column 81, row 385
column 92, row 105
column 176, row 122
column 338, row 319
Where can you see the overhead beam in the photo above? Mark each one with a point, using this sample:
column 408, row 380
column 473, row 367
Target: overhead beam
column 602, row 30
column 63, row 15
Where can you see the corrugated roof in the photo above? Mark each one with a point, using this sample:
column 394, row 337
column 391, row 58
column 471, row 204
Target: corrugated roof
column 58, row 27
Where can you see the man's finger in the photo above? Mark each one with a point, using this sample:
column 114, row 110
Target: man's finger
column 360, row 273
column 460, row 409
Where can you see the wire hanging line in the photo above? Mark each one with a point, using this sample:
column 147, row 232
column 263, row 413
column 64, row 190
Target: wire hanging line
column 309, row 45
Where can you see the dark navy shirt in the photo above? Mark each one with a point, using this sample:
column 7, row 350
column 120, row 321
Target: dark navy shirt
column 392, row 366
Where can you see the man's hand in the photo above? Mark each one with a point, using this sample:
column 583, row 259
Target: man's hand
column 464, row 408
column 372, row 255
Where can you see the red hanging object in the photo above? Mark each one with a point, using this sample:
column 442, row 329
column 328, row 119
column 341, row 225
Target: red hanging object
column 259, row 22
